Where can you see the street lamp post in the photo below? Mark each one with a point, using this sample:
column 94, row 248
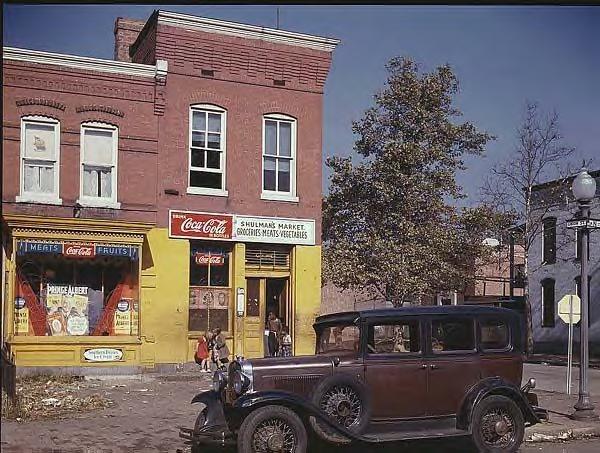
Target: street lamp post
column 584, row 190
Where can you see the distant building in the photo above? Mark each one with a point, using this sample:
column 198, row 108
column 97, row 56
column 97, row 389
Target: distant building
column 554, row 269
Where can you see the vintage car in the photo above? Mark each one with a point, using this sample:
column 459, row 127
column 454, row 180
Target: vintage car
column 378, row 376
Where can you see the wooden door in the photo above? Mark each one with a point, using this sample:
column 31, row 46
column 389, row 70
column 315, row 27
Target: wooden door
column 253, row 321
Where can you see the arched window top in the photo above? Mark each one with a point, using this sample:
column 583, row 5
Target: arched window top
column 99, row 125
column 205, row 106
column 40, row 118
column 279, row 116
column 550, row 221
column 547, row 281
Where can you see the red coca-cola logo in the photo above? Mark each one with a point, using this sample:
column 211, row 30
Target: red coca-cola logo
column 79, row 250
column 203, row 259
column 201, row 225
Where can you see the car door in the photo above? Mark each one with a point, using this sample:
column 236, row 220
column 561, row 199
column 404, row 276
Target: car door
column 395, row 372
column 452, row 361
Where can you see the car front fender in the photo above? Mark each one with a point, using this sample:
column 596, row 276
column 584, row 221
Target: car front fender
column 493, row 386
column 247, row 403
column 215, row 417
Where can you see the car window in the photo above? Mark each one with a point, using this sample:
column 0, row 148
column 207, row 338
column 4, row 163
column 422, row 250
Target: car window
column 339, row 338
column 397, row 338
column 452, row 335
column 494, row 334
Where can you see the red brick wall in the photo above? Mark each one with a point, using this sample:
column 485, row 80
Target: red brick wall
column 126, row 32
column 76, row 96
column 246, row 98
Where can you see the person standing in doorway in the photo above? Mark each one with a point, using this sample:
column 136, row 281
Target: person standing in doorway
column 286, row 343
column 274, row 328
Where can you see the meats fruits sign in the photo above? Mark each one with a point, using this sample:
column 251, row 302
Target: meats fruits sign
column 200, row 225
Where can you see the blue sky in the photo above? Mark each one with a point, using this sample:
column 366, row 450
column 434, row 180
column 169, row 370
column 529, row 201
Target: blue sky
column 501, row 55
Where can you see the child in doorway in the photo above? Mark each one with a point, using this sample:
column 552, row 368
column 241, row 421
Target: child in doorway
column 286, row 343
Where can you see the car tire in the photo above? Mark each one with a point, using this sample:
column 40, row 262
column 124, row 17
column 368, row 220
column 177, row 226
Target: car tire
column 346, row 390
column 276, row 424
column 497, row 425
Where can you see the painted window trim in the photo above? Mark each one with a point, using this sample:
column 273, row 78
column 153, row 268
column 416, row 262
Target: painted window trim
column 32, row 197
column 192, row 190
column 275, row 195
column 100, row 202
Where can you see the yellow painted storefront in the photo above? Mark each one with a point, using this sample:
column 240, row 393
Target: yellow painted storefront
column 163, row 336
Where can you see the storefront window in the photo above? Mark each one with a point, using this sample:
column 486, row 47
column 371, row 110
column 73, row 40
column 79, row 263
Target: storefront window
column 75, row 289
column 210, row 290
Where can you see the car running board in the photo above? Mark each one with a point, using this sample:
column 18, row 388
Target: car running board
column 413, row 435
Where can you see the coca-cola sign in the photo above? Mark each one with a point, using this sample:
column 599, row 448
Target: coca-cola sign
column 204, row 259
column 200, row 225
column 79, row 250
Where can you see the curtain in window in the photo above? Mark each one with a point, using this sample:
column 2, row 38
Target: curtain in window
column 90, row 183
column 98, row 147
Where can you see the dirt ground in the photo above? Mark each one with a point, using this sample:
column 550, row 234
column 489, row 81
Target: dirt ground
column 144, row 415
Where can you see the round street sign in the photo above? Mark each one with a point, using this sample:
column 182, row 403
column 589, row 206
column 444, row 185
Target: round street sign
column 564, row 308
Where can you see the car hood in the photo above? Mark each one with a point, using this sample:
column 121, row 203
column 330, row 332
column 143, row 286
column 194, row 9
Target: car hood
column 292, row 365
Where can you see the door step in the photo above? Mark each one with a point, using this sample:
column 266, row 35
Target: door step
column 409, row 435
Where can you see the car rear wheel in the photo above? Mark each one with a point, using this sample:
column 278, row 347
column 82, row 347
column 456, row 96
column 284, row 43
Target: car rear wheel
column 345, row 401
column 498, row 425
column 272, row 429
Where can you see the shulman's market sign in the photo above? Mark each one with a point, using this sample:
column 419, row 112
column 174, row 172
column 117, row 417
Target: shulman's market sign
column 241, row 228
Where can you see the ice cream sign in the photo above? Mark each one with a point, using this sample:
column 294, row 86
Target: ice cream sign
column 103, row 355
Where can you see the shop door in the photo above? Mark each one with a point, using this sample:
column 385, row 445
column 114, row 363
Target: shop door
column 254, row 325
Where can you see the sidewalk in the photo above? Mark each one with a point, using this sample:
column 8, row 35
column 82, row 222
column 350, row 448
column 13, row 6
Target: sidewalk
column 551, row 389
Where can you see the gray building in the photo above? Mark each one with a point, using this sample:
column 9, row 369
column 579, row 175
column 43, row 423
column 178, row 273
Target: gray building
column 554, row 266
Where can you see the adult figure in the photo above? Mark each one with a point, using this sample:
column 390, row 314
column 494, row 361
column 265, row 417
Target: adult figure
column 221, row 351
column 274, row 326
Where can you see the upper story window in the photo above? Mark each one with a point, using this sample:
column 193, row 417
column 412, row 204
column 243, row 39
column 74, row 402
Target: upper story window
column 207, row 150
column 279, row 158
column 40, row 160
column 548, row 303
column 549, row 241
column 99, row 150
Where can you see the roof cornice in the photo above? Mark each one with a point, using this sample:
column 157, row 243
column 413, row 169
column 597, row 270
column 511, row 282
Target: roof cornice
column 77, row 62
column 247, row 31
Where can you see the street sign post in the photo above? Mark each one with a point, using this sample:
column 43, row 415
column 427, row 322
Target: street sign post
column 588, row 223
column 569, row 310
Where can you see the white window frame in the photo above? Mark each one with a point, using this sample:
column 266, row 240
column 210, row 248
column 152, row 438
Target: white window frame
column 99, row 202
column 276, row 195
column 35, row 197
column 211, row 108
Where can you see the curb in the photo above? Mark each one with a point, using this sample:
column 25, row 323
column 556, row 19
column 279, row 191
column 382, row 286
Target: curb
column 563, row 434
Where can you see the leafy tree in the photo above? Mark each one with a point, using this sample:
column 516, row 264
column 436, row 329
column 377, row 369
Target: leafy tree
column 389, row 221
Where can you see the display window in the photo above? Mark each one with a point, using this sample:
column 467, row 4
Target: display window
column 210, row 291
column 76, row 289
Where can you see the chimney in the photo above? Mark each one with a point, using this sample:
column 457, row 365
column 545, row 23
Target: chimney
column 126, row 32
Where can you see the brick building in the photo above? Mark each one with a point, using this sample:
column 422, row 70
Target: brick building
column 175, row 189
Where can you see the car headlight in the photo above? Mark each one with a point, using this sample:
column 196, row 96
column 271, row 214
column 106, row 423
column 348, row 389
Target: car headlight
column 219, row 381
column 240, row 383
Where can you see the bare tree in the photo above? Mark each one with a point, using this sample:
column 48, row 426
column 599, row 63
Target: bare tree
column 539, row 155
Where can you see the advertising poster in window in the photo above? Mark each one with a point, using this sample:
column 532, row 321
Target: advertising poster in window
column 123, row 317
column 22, row 324
column 67, row 308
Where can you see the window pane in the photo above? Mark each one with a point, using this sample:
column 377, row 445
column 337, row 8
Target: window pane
column 198, row 139
column 205, row 179
column 214, row 122
column 285, row 139
column 271, row 138
column 97, row 147
column 90, row 182
column 47, row 179
column 548, row 303
column 494, row 334
column 213, row 159
column 31, row 177
column 338, row 338
column 199, row 121
column 106, row 183
column 394, row 338
column 452, row 335
column 214, row 141
column 40, row 141
column 219, row 270
column 283, row 176
column 269, row 174
column 198, row 157
column 549, row 238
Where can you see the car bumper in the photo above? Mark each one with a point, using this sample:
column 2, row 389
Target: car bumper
column 211, row 427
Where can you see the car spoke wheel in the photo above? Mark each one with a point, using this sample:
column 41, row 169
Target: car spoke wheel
column 498, row 425
column 342, row 404
column 272, row 429
column 273, row 435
